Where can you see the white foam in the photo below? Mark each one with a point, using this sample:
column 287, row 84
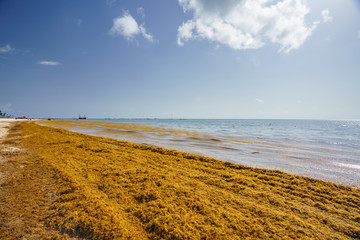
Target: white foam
column 347, row 165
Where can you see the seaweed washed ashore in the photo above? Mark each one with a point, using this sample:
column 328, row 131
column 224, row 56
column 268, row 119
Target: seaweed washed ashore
column 101, row 188
column 325, row 150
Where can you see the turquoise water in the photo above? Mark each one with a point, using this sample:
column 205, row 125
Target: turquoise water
column 327, row 150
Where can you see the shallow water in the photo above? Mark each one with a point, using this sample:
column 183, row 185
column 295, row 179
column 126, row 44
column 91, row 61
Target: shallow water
column 327, row 150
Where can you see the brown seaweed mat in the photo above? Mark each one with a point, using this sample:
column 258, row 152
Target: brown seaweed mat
column 57, row 184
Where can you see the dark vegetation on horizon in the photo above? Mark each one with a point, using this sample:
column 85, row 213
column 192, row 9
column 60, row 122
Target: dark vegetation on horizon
column 4, row 115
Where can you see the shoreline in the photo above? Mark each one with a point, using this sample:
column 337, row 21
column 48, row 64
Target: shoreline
column 106, row 188
column 304, row 159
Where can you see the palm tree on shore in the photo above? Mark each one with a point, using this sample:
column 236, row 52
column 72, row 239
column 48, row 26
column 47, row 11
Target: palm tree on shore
column 3, row 115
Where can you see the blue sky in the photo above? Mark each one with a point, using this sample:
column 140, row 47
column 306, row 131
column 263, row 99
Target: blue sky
column 181, row 59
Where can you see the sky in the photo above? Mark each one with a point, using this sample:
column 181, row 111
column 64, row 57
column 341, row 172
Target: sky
column 271, row 59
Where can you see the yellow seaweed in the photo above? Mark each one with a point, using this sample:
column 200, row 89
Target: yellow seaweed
column 111, row 189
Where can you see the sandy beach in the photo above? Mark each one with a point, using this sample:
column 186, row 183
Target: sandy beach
column 4, row 125
column 64, row 184
column 185, row 119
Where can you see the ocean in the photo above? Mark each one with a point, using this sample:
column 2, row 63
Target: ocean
column 322, row 149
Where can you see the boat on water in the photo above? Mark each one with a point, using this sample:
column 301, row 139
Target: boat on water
column 82, row 117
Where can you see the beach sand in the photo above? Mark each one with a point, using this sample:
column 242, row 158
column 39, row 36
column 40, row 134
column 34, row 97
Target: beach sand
column 67, row 185
column 6, row 123
column 4, row 126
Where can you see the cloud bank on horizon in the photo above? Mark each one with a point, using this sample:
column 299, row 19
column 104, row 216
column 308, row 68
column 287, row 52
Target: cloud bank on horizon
column 248, row 24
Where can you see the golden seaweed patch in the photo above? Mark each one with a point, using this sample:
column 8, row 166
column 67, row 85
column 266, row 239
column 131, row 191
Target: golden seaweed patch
column 111, row 189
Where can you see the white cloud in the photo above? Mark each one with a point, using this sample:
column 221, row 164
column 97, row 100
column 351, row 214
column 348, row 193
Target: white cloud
column 49, row 63
column 110, row 3
column 6, row 48
column 247, row 24
column 127, row 27
column 141, row 12
column 259, row 100
column 326, row 17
